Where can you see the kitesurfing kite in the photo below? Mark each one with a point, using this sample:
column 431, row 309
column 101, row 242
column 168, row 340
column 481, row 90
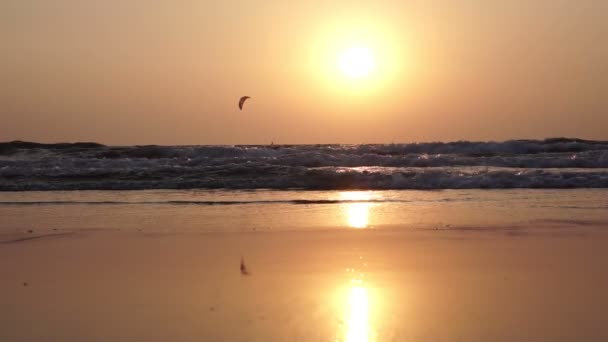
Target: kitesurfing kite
column 242, row 101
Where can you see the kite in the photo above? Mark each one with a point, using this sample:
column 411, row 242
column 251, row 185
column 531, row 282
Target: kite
column 242, row 101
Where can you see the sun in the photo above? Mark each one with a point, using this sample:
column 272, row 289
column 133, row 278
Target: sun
column 356, row 56
column 357, row 62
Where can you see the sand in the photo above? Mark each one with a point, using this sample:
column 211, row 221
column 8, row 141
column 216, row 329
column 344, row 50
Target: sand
column 414, row 286
column 335, row 272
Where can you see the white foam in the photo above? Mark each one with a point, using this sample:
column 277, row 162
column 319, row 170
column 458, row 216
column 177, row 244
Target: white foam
column 557, row 163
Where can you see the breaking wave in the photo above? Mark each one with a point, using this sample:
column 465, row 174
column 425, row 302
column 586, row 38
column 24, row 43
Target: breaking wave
column 549, row 163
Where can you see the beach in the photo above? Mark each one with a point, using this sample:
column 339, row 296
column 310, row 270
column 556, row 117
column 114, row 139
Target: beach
column 341, row 171
column 322, row 266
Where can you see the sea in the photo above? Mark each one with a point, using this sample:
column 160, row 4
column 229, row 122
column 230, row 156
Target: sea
column 558, row 163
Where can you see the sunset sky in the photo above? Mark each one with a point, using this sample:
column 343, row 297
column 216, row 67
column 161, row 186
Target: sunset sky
column 171, row 72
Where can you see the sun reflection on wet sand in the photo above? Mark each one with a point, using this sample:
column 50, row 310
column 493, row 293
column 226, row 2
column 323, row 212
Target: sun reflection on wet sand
column 357, row 214
column 356, row 307
column 358, row 327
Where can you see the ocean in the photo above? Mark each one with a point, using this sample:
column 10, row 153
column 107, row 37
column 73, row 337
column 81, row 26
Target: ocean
column 552, row 163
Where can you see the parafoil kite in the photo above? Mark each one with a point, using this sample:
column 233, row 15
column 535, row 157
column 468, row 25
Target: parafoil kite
column 242, row 101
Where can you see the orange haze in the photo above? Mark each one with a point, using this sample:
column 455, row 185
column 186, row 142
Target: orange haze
column 171, row 72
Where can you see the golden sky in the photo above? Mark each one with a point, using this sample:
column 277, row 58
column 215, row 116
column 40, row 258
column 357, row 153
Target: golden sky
column 171, row 72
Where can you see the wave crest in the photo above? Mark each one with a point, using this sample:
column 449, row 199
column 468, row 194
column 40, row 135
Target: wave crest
column 549, row 163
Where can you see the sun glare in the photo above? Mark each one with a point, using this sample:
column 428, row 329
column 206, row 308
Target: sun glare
column 357, row 55
column 356, row 62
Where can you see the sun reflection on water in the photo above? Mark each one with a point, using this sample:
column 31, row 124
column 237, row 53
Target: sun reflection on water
column 357, row 213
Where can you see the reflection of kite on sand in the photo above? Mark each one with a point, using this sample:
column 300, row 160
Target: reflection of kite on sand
column 244, row 270
column 242, row 101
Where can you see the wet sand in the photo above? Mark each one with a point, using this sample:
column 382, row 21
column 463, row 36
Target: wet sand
column 357, row 285
column 468, row 265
